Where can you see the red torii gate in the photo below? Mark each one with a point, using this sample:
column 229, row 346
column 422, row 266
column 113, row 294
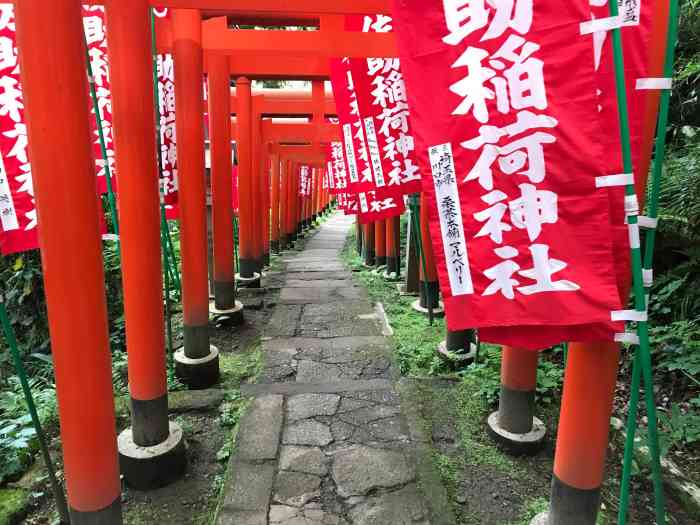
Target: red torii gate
column 59, row 136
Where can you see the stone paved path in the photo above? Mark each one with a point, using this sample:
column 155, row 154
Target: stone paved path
column 326, row 441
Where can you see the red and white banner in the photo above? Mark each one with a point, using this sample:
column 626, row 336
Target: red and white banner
column 305, row 181
column 168, row 136
column 337, row 179
column 18, row 218
column 96, row 39
column 383, row 108
column 503, row 103
column 372, row 204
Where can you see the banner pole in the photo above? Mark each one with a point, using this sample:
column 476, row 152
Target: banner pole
column 650, row 237
column 164, row 230
column 59, row 496
column 636, row 257
column 103, row 147
column 419, row 245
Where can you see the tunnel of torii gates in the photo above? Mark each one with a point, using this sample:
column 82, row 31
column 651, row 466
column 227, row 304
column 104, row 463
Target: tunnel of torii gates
column 152, row 449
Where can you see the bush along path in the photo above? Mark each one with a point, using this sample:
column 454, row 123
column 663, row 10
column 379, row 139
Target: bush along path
column 325, row 440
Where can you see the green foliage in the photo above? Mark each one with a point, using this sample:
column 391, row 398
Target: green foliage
column 18, row 438
column 23, row 290
column 679, row 428
column 677, row 347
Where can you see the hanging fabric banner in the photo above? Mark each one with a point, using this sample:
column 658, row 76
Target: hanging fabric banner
column 336, row 168
column 638, row 21
column 372, row 203
column 168, row 137
column 383, row 110
column 503, row 105
column 18, row 217
column 96, row 39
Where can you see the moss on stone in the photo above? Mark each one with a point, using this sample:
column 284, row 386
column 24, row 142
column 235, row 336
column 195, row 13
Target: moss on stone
column 13, row 503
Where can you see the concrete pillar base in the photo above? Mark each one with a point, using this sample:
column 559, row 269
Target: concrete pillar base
column 248, row 282
column 456, row 359
column 233, row 315
column 541, row 519
column 380, row 260
column 527, row 444
column 437, row 312
column 111, row 515
column 275, row 246
column 197, row 373
column 266, row 259
column 147, row 468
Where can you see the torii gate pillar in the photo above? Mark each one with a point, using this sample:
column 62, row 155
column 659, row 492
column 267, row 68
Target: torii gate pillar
column 248, row 275
column 224, row 303
column 197, row 363
column 65, row 191
column 152, row 450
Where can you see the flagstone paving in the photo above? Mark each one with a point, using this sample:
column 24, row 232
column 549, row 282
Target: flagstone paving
column 326, row 440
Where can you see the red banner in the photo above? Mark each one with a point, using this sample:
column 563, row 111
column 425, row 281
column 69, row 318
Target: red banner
column 96, row 39
column 18, row 218
column 168, row 137
column 383, row 109
column 503, row 100
column 372, row 204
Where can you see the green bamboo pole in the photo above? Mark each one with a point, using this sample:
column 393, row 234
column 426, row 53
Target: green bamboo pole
column 650, row 237
column 103, row 147
column 235, row 240
column 638, row 285
column 164, row 231
column 56, row 488
column 415, row 207
column 662, row 124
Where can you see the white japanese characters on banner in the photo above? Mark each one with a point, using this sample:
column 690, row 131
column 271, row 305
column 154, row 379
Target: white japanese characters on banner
column 96, row 39
column 507, row 138
column 451, row 227
column 338, row 177
column 166, row 125
column 18, row 219
column 381, row 92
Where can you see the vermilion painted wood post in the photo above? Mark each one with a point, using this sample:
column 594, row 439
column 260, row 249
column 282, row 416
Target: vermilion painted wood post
column 368, row 244
column 197, row 363
column 275, row 197
column 284, row 204
column 131, row 76
column 380, row 243
column 429, row 288
column 65, row 191
column 393, row 241
column 248, row 275
column 257, row 184
column 514, row 425
column 298, row 203
column 266, row 204
column 219, row 82
column 583, row 436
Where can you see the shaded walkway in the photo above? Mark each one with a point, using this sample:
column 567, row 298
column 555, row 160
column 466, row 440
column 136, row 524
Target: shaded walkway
column 326, row 441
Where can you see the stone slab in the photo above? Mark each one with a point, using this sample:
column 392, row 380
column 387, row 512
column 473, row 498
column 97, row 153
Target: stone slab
column 301, row 388
column 359, row 469
column 307, row 432
column 250, row 486
column 259, row 432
